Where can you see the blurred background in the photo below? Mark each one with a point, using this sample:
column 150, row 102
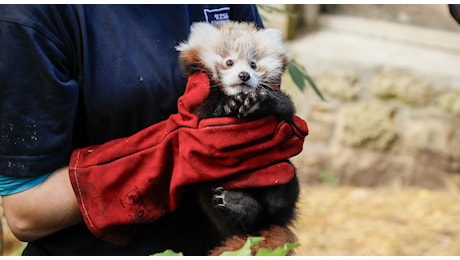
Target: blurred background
column 380, row 170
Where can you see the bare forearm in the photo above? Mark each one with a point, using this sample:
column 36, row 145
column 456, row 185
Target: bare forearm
column 43, row 209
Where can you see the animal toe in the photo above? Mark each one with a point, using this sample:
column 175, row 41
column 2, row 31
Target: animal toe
column 218, row 198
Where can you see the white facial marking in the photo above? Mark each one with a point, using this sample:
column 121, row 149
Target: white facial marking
column 231, row 81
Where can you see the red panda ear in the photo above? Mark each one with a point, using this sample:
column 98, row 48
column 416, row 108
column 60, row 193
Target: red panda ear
column 271, row 36
column 190, row 61
column 202, row 36
column 203, row 32
column 272, row 39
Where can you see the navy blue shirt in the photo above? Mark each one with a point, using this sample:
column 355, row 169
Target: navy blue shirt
column 78, row 75
column 73, row 76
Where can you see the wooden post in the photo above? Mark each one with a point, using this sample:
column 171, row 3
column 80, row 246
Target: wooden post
column 306, row 19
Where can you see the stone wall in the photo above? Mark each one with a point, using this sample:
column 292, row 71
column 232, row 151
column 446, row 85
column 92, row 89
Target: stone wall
column 390, row 129
column 392, row 109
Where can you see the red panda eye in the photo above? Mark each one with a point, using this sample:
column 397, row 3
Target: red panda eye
column 229, row 63
column 253, row 65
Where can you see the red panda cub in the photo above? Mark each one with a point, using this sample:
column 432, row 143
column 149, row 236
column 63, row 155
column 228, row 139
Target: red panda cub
column 245, row 65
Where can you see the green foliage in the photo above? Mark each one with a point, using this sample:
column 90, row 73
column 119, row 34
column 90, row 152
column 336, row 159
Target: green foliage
column 168, row 252
column 299, row 76
column 246, row 249
column 279, row 251
column 18, row 252
column 296, row 71
column 329, row 179
column 270, row 9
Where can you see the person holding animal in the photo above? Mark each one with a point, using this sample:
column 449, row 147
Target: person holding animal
column 100, row 141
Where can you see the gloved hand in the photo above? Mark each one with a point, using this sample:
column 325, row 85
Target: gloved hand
column 138, row 179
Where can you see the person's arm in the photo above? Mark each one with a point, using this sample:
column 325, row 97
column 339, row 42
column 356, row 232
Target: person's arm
column 43, row 209
column 39, row 97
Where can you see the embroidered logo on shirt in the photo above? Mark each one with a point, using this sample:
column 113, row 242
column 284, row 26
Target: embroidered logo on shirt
column 215, row 16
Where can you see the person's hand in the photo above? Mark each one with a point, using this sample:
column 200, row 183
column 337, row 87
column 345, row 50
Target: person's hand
column 138, row 179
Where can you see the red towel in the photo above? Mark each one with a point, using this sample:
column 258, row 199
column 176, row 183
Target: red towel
column 138, row 179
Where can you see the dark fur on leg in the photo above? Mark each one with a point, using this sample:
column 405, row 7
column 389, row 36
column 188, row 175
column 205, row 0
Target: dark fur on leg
column 248, row 211
column 243, row 212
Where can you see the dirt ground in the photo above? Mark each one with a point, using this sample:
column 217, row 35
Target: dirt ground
column 378, row 222
column 344, row 220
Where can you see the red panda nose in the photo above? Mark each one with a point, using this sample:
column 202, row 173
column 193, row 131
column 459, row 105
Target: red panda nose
column 244, row 76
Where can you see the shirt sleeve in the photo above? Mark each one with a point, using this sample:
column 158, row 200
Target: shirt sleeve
column 12, row 185
column 246, row 13
column 38, row 97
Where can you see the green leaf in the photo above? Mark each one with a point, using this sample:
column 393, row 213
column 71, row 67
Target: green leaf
column 168, row 252
column 246, row 249
column 271, row 9
column 299, row 75
column 329, row 178
column 296, row 75
column 263, row 17
column 279, row 251
column 315, row 88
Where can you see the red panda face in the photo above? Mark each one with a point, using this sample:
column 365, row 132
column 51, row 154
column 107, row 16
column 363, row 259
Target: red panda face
column 238, row 74
column 236, row 56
